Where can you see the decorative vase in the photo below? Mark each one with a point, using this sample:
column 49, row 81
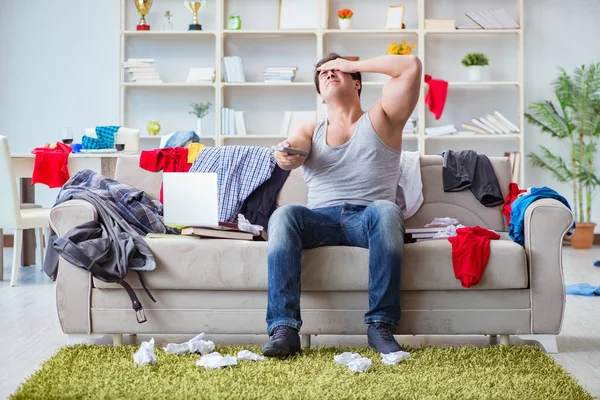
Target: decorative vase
column 583, row 238
column 199, row 126
column 344, row 23
column 475, row 73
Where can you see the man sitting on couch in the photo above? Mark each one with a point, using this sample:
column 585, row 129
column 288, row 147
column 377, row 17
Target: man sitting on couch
column 352, row 175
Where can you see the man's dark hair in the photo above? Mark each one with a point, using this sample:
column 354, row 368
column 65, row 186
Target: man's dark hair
column 332, row 56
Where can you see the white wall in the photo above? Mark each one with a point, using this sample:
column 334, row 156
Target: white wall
column 58, row 62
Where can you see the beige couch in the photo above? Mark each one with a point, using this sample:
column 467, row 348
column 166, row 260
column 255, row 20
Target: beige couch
column 219, row 286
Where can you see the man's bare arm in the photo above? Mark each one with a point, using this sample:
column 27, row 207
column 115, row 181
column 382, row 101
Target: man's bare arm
column 300, row 139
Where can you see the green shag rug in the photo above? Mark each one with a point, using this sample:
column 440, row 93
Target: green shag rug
column 497, row 372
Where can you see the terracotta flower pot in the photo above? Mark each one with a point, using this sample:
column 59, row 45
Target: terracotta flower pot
column 583, row 238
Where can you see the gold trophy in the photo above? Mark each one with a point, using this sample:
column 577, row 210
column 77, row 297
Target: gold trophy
column 143, row 7
column 194, row 7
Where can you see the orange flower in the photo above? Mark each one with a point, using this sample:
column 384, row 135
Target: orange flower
column 346, row 13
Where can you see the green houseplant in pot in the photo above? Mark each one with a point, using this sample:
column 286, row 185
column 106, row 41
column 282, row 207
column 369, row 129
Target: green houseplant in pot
column 200, row 110
column 475, row 63
column 575, row 121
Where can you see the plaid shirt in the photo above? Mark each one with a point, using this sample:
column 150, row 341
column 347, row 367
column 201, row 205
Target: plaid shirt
column 240, row 169
column 105, row 140
column 142, row 213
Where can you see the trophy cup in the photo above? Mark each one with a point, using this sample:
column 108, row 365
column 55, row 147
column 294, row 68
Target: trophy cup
column 194, row 7
column 143, row 7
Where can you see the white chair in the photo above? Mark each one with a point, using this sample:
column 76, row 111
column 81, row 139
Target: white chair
column 12, row 216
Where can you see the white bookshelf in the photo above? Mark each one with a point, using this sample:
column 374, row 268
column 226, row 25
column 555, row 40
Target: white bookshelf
column 260, row 44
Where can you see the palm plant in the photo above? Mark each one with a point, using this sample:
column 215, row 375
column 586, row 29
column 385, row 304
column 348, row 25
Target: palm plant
column 576, row 123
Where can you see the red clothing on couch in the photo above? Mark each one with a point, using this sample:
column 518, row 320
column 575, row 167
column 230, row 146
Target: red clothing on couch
column 470, row 253
column 513, row 193
column 51, row 165
column 170, row 159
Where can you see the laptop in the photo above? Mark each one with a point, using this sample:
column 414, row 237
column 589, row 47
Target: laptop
column 190, row 199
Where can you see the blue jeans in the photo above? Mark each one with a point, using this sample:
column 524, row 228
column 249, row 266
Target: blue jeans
column 378, row 227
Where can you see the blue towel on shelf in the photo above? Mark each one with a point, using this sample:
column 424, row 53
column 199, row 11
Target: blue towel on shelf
column 180, row 138
column 105, row 140
column 583, row 289
column 519, row 206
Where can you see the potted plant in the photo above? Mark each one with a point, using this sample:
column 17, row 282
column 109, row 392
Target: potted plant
column 344, row 16
column 200, row 110
column 575, row 121
column 475, row 63
column 404, row 48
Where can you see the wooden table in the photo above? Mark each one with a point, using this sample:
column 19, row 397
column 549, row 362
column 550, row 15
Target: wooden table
column 22, row 165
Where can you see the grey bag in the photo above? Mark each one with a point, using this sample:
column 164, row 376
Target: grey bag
column 86, row 247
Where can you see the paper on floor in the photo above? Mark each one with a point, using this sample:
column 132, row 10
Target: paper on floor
column 194, row 345
column 216, row 360
column 394, row 358
column 353, row 361
column 145, row 354
column 247, row 355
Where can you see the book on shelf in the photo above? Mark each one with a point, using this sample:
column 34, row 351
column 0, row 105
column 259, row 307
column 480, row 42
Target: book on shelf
column 515, row 162
column 495, row 123
column 441, row 130
column 141, row 70
column 233, row 69
column 440, row 24
column 493, row 19
column 240, row 123
column 201, row 74
column 228, row 126
column 279, row 74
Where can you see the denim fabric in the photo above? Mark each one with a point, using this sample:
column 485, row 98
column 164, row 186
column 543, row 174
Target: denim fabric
column 378, row 227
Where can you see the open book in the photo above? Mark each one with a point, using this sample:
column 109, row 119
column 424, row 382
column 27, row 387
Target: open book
column 225, row 230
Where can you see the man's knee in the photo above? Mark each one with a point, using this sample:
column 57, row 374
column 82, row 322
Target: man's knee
column 386, row 212
column 285, row 216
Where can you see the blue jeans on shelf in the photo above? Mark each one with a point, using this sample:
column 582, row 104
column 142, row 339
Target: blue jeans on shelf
column 378, row 227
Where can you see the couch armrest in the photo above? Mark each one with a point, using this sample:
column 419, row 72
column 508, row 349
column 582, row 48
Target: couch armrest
column 546, row 222
column 73, row 284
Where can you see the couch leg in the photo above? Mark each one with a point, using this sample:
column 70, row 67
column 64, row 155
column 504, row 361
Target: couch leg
column 305, row 341
column 548, row 342
column 117, row 339
column 504, row 340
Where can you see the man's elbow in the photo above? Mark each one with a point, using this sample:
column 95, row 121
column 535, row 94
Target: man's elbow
column 414, row 65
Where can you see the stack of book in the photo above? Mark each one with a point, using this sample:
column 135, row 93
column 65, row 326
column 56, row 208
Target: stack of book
column 226, row 230
column 279, row 74
column 201, row 75
column 233, row 69
column 233, row 123
column 141, row 70
column 491, row 19
column 441, row 130
column 491, row 123
column 421, row 234
column 515, row 162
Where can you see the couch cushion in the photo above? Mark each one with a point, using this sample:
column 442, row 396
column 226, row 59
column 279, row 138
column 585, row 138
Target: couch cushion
column 207, row 264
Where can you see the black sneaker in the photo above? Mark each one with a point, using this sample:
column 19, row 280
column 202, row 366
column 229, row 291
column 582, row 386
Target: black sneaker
column 284, row 342
column 381, row 338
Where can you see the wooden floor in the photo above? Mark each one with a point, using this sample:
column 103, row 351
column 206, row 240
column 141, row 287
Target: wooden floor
column 30, row 332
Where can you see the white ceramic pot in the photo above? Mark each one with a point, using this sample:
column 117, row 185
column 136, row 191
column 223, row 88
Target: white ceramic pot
column 475, row 73
column 199, row 126
column 344, row 23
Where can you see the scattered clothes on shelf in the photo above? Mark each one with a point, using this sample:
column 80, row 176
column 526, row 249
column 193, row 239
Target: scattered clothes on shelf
column 182, row 139
column 470, row 253
column 583, row 289
column 247, row 355
column 261, row 204
column 409, row 195
column 170, row 159
column 353, row 361
column 513, row 193
column 145, row 355
column 194, row 345
column 520, row 204
column 436, row 95
column 216, row 360
column 467, row 169
column 240, row 170
column 105, row 138
column 51, row 165
column 394, row 358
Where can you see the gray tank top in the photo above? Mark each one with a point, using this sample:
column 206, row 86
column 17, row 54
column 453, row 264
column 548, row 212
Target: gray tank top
column 360, row 171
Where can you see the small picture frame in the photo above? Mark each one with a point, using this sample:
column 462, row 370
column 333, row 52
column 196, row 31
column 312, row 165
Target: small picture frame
column 395, row 17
